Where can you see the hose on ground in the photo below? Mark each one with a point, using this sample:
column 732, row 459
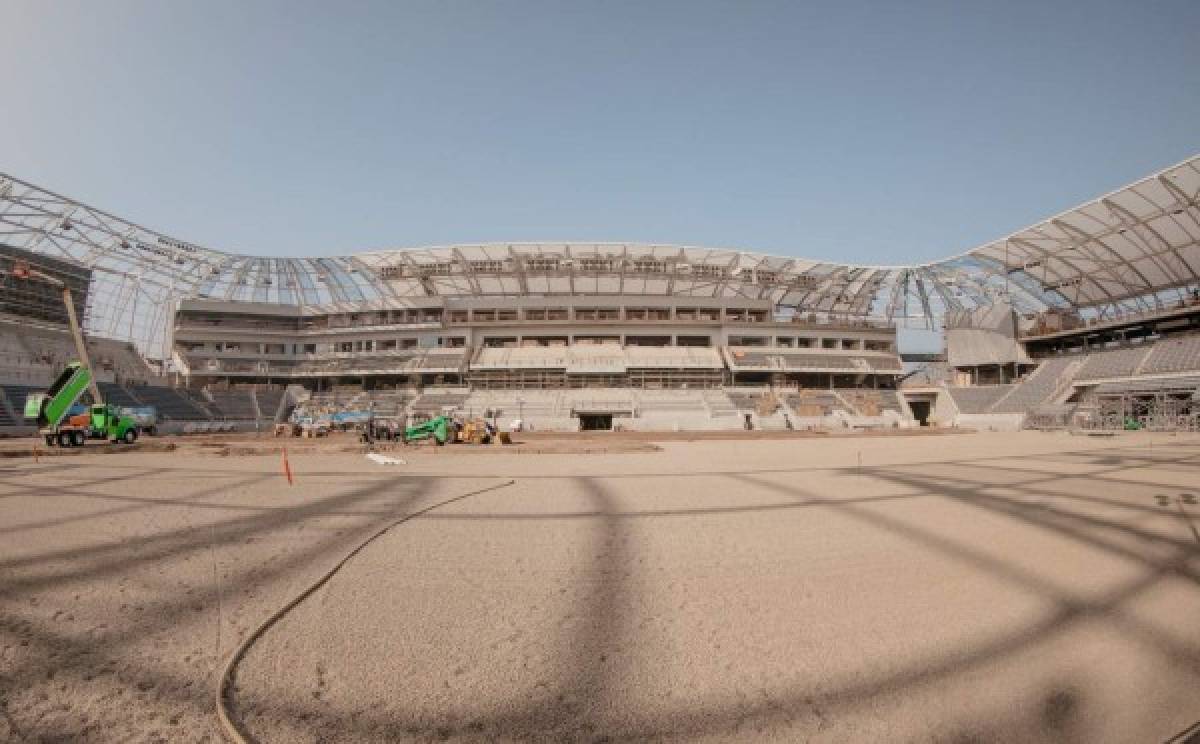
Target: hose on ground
column 232, row 730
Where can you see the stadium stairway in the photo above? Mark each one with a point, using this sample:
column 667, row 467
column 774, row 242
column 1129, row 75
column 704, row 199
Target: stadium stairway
column 718, row 404
column 1109, row 363
column 117, row 395
column 1043, row 385
column 1172, row 355
column 269, row 403
column 670, row 410
column 978, row 399
column 812, row 403
column 16, row 394
column 1041, row 395
column 434, row 403
column 8, row 417
column 232, row 405
column 173, row 405
column 391, row 402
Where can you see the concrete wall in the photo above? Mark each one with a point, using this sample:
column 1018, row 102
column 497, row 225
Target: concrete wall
column 983, row 337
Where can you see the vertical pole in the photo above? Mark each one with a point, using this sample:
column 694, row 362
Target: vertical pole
column 80, row 347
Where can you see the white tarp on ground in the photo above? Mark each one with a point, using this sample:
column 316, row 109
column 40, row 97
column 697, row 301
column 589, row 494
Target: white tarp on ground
column 384, row 459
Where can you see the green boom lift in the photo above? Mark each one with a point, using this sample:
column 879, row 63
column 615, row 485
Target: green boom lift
column 438, row 428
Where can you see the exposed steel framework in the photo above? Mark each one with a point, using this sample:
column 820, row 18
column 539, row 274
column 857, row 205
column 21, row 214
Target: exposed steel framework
column 1133, row 250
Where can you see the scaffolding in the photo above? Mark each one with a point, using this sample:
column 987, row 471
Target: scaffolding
column 1167, row 410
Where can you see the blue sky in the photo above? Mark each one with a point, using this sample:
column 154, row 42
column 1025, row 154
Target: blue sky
column 864, row 132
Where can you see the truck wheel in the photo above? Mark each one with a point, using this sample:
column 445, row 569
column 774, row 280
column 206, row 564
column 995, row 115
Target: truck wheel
column 78, row 439
column 64, row 439
column 49, row 440
column 130, row 436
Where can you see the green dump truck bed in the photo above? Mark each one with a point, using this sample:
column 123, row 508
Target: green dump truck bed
column 52, row 407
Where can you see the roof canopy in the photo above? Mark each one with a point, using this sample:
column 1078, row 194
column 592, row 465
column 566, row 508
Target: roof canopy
column 1131, row 249
column 1137, row 248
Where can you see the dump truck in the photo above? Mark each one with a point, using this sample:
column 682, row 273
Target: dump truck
column 52, row 411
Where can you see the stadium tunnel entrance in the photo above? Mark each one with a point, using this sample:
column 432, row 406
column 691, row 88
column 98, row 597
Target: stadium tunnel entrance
column 921, row 405
column 595, row 422
column 920, row 409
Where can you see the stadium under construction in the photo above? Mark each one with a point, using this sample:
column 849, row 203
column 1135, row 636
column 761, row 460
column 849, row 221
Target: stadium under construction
column 883, row 557
column 1088, row 319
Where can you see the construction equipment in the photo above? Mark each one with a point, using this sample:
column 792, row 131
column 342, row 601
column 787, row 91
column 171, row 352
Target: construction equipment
column 22, row 270
column 475, row 431
column 146, row 418
column 437, row 429
column 101, row 421
column 313, row 428
column 387, row 429
column 51, row 408
column 304, row 425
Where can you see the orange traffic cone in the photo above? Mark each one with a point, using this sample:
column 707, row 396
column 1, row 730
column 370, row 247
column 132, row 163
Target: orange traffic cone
column 287, row 469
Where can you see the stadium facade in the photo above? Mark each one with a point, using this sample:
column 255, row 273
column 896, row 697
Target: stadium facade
column 787, row 339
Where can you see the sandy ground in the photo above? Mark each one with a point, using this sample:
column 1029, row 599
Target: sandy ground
column 988, row 587
column 539, row 443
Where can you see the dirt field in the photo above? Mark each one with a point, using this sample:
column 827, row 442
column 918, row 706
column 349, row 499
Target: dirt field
column 970, row 587
column 567, row 443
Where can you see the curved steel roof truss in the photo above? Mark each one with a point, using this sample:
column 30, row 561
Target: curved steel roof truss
column 1137, row 248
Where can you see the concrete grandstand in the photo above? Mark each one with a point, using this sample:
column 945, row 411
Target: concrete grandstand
column 1089, row 318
